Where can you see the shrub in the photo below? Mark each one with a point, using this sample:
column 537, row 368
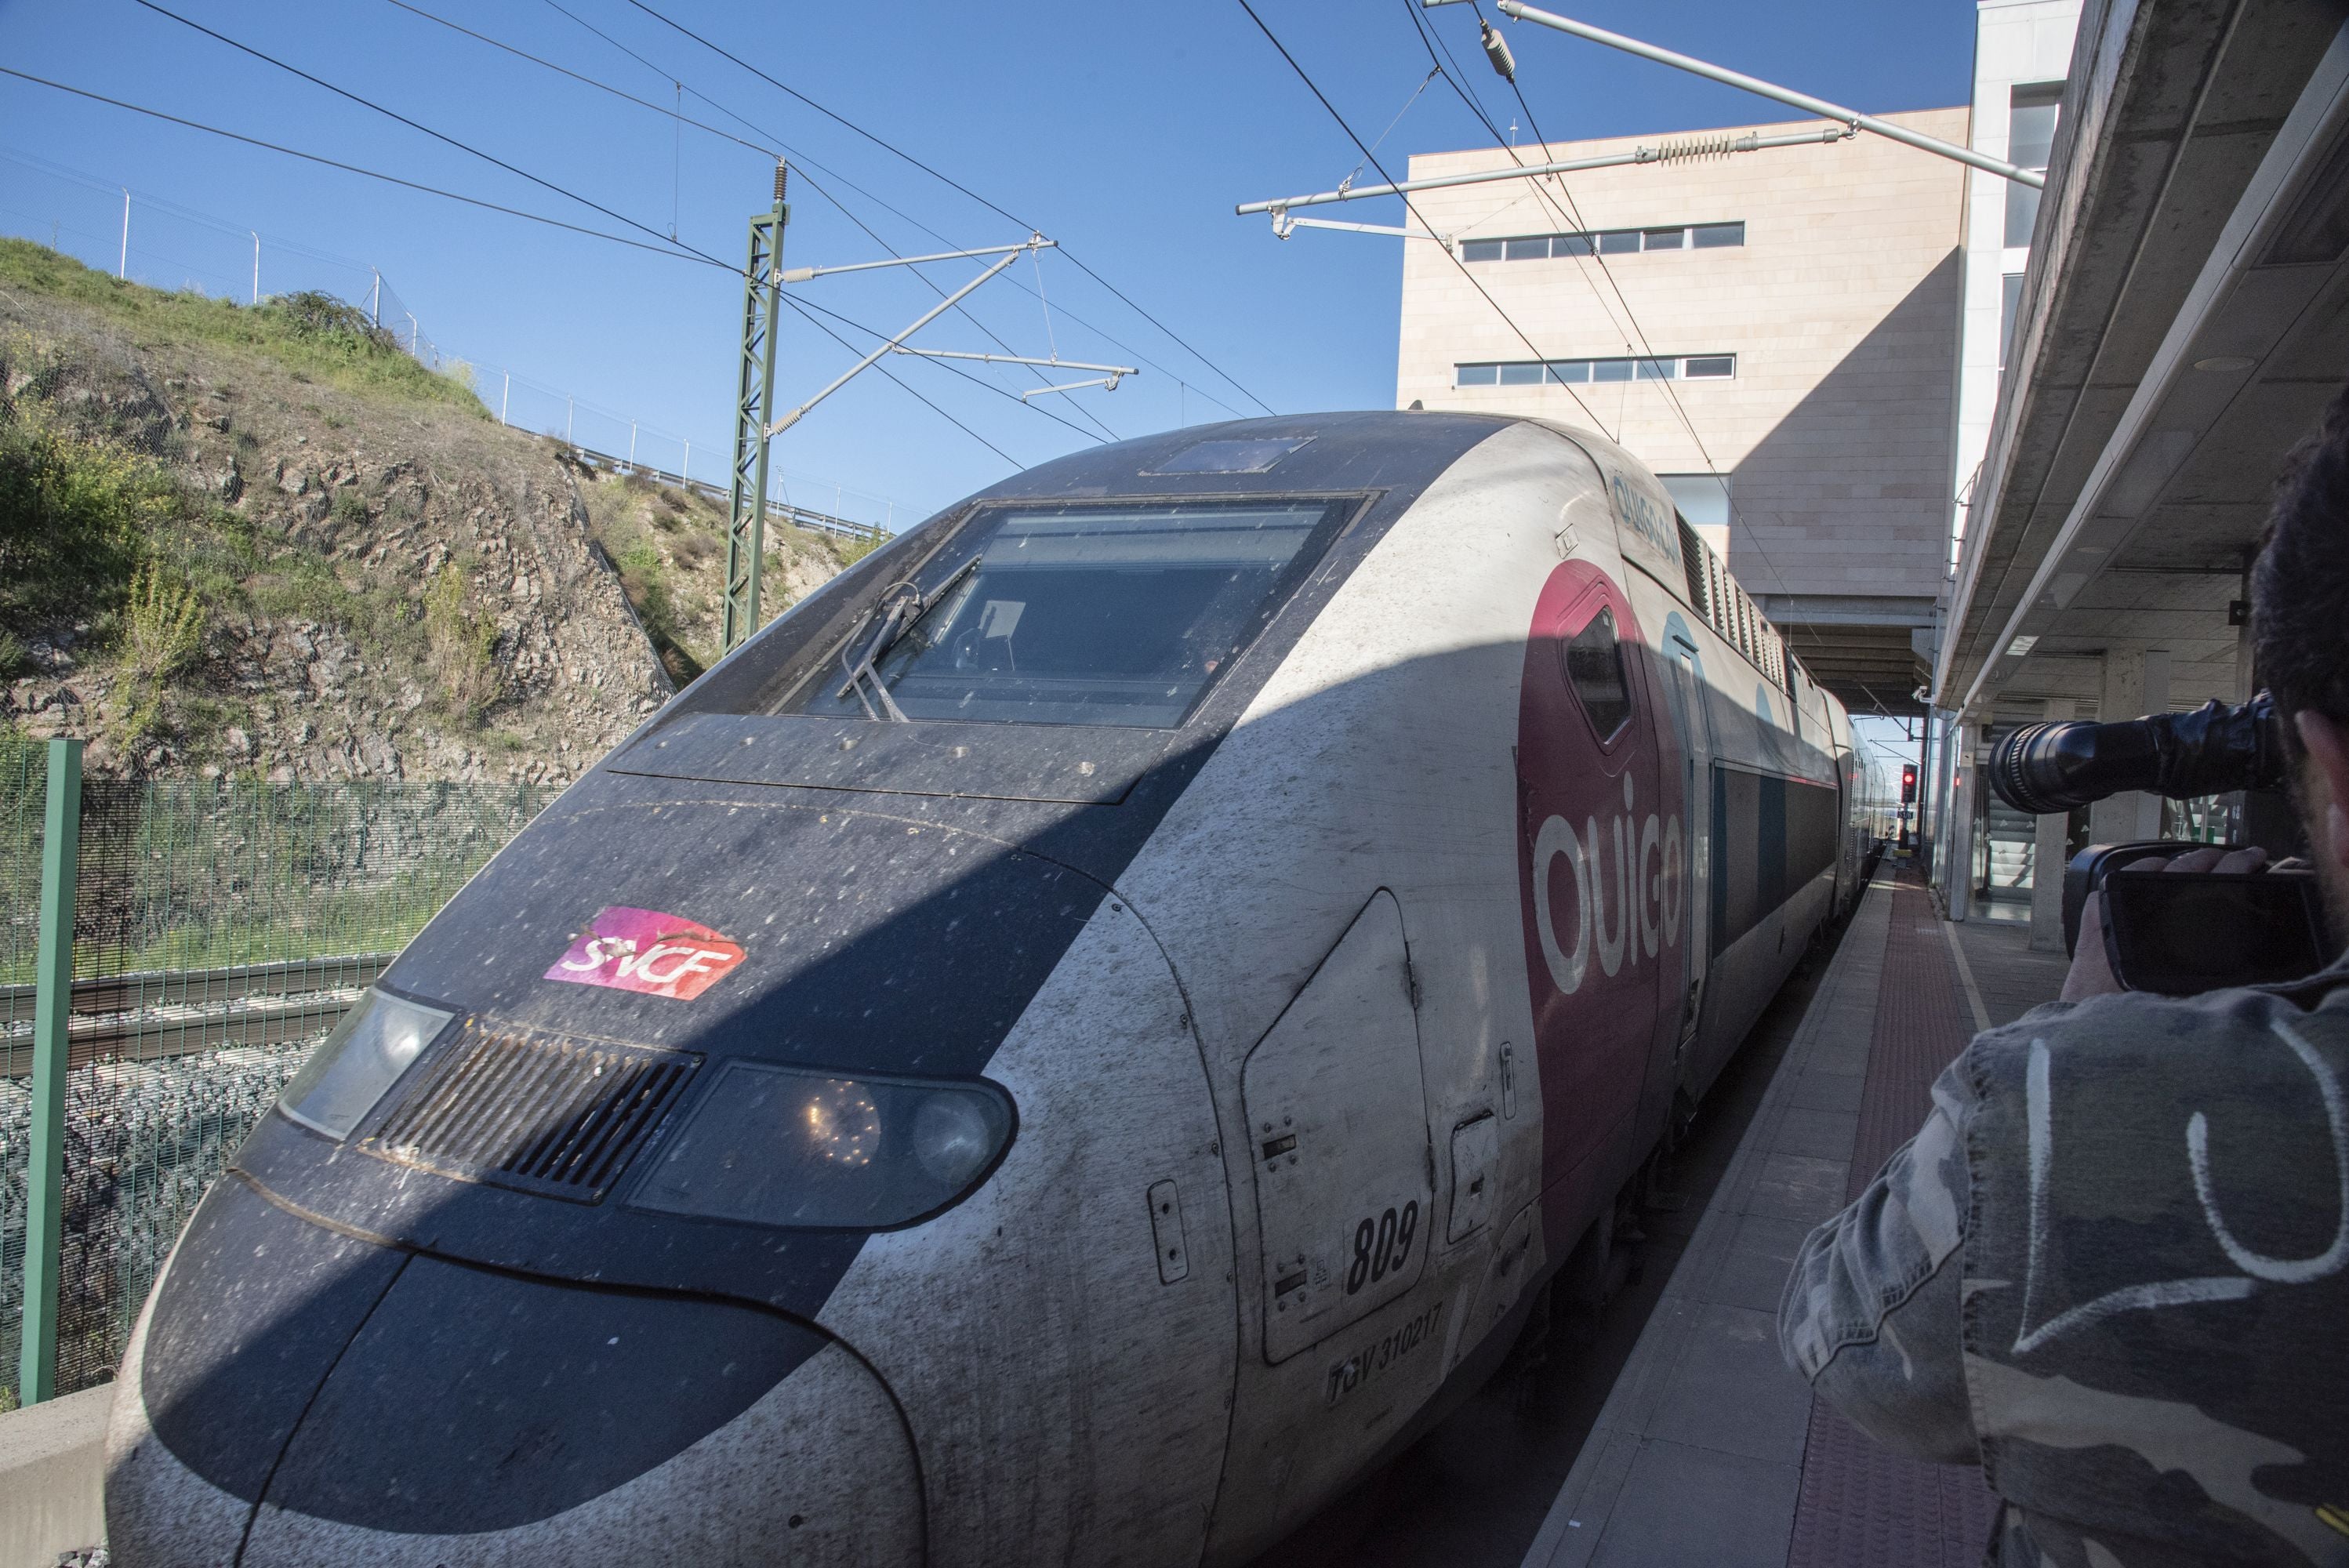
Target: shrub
column 162, row 625
column 461, row 645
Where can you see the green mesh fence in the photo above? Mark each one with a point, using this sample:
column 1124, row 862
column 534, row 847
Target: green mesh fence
column 219, row 930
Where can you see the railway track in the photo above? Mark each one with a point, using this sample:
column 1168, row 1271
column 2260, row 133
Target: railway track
column 145, row 1016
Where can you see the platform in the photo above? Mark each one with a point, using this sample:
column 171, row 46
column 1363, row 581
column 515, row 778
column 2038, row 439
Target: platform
column 1709, row 1449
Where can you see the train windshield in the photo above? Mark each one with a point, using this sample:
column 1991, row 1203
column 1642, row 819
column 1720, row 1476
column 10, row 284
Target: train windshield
column 1075, row 614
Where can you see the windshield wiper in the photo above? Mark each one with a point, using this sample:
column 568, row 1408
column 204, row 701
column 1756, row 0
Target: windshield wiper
column 902, row 614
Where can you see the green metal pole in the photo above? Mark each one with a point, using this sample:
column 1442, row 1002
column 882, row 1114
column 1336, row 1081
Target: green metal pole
column 44, row 1173
column 754, row 400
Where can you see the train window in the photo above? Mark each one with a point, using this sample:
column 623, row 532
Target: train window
column 1075, row 614
column 1594, row 668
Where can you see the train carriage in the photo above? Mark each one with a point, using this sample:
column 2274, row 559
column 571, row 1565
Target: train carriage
column 1069, row 1046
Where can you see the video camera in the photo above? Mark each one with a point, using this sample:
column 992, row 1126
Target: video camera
column 2178, row 933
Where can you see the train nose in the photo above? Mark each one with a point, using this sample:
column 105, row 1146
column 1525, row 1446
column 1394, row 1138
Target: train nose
column 297, row 1396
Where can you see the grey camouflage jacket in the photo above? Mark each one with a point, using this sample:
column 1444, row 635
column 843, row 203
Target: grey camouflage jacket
column 2111, row 1268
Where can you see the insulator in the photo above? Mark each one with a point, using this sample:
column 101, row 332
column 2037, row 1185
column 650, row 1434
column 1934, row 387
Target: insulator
column 783, row 173
column 1496, row 49
column 1697, row 147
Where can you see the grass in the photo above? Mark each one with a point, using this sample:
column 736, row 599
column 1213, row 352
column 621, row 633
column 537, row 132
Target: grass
column 312, row 335
column 76, row 511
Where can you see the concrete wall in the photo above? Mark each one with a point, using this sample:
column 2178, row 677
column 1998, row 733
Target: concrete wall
column 2015, row 42
column 1841, row 307
column 53, row 1478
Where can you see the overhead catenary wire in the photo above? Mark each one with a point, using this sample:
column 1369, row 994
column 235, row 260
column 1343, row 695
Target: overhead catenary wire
column 676, row 115
column 897, row 152
column 1410, row 206
column 805, row 316
column 686, row 254
column 464, row 147
column 1431, row 41
column 804, row 306
column 679, row 121
column 966, row 313
column 659, row 250
column 1572, row 213
column 559, row 190
column 803, row 162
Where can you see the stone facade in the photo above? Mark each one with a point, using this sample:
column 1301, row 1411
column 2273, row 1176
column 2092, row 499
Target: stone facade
column 1841, row 307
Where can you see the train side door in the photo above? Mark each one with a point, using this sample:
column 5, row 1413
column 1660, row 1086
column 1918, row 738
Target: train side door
column 1684, row 674
column 1338, row 1133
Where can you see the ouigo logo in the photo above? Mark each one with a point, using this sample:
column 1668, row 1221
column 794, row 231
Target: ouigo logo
column 644, row 950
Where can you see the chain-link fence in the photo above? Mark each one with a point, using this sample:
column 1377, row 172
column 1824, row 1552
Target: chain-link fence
column 219, row 930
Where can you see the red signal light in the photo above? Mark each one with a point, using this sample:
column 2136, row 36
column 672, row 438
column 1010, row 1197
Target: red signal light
column 1908, row 783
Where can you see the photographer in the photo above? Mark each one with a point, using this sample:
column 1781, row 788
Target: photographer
column 2113, row 1266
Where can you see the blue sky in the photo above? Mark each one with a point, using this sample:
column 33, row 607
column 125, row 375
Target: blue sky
column 1125, row 131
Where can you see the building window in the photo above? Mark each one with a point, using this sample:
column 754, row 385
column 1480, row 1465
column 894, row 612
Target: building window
column 2030, row 143
column 1582, row 372
column 2009, row 304
column 1603, row 242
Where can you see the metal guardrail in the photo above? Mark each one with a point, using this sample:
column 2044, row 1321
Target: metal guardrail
column 182, row 1012
column 799, row 516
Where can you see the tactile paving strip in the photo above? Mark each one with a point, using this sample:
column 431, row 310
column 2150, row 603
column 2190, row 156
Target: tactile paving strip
column 1862, row 1505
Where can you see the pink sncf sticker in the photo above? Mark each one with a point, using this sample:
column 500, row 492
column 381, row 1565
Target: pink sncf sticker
column 644, row 950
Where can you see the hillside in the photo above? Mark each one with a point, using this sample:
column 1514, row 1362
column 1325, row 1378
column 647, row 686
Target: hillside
column 264, row 540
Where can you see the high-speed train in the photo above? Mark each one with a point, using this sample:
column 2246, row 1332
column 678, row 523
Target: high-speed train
column 1068, row 1047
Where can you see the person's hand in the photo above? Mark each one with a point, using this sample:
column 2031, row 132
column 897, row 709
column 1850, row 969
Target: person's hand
column 2091, row 974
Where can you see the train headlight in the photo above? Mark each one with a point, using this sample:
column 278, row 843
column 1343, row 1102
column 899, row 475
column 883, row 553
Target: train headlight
column 364, row 1056
column 774, row 1145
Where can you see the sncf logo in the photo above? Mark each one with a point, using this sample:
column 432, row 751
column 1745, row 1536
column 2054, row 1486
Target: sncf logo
column 644, row 950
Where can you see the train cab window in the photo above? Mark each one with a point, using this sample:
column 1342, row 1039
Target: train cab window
column 1594, row 668
column 1087, row 613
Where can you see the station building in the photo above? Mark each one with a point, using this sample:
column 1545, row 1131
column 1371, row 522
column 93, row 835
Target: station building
column 2178, row 323
column 1972, row 447
column 1774, row 331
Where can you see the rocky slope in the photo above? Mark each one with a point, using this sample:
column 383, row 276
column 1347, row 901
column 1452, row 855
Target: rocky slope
column 264, row 542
